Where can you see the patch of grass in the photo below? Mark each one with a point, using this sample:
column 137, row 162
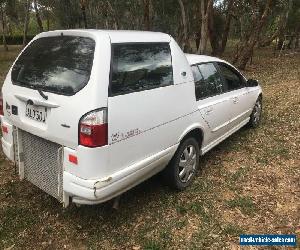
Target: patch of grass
column 208, row 237
column 262, row 160
column 280, row 150
column 181, row 209
column 245, row 204
column 239, row 174
column 152, row 245
column 232, row 229
column 235, row 180
column 13, row 221
column 203, row 210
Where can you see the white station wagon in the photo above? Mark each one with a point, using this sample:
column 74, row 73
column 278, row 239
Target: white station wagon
column 88, row 114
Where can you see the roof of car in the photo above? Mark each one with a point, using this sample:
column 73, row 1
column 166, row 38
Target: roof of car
column 194, row 59
column 118, row 36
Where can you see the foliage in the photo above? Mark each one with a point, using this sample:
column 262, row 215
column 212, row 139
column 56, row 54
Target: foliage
column 226, row 19
column 16, row 40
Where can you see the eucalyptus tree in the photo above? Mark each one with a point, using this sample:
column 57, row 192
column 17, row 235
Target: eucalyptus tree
column 253, row 17
column 3, row 6
column 219, row 25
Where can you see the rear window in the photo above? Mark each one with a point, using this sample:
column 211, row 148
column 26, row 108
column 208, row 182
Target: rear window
column 59, row 64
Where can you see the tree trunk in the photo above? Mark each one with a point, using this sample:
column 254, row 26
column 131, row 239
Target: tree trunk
column 227, row 26
column 248, row 46
column 213, row 36
column 83, row 4
column 113, row 13
column 297, row 41
column 3, row 29
column 282, row 25
column 37, row 15
column 26, row 21
column 218, row 41
column 206, row 9
column 147, row 15
column 185, row 40
column 267, row 42
column 48, row 22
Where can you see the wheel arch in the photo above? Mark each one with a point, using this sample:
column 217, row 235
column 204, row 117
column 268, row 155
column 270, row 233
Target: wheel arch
column 195, row 131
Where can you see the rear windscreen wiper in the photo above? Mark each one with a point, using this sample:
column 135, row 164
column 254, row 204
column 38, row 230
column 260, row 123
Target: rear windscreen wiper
column 23, row 83
column 42, row 93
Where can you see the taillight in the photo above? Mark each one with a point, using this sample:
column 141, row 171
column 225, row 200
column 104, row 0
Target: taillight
column 1, row 104
column 93, row 128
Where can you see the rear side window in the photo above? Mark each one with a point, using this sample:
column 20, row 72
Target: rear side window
column 212, row 84
column 137, row 67
column 232, row 80
column 200, row 85
column 59, row 64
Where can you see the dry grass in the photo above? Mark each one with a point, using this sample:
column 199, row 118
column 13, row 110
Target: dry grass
column 250, row 183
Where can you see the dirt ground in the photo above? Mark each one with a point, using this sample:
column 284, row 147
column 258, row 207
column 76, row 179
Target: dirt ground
column 250, row 183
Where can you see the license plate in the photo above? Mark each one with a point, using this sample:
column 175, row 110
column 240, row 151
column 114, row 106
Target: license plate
column 36, row 113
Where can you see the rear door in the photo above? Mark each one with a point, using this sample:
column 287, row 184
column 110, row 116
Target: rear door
column 213, row 105
column 141, row 77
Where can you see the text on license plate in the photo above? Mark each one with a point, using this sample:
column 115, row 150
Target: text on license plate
column 37, row 113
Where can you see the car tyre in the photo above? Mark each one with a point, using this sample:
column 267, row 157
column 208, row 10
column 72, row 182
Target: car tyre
column 182, row 169
column 255, row 116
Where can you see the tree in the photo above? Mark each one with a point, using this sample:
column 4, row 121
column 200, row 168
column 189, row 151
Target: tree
column 26, row 21
column 258, row 19
column 147, row 14
column 37, row 15
column 2, row 13
column 184, row 22
column 206, row 11
column 113, row 14
column 219, row 26
column 83, row 5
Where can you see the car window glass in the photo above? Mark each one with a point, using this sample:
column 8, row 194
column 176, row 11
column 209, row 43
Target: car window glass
column 196, row 73
column 232, row 80
column 212, row 80
column 200, row 85
column 59, row 64
column 137, row 67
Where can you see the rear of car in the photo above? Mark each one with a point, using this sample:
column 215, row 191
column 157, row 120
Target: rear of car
column 89, row 114
column 55, row 107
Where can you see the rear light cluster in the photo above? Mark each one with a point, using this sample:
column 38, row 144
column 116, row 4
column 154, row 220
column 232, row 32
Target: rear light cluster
column 1, row 104
column 93, row 129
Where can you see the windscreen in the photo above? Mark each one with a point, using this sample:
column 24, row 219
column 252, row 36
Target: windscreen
column 60, row 64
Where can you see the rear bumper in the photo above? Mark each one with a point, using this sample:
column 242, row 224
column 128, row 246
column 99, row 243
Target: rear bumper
column 96, row 191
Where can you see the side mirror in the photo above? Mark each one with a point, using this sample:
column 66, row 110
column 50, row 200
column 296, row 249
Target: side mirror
column 252, row 83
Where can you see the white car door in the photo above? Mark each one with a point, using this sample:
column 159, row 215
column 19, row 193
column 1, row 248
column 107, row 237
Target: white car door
column 212, row 104
column 235, row 85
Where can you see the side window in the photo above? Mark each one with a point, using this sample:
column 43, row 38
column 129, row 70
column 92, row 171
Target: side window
column 212, row 83
column 200, row 86
column 232, row 80
column 137, row 67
